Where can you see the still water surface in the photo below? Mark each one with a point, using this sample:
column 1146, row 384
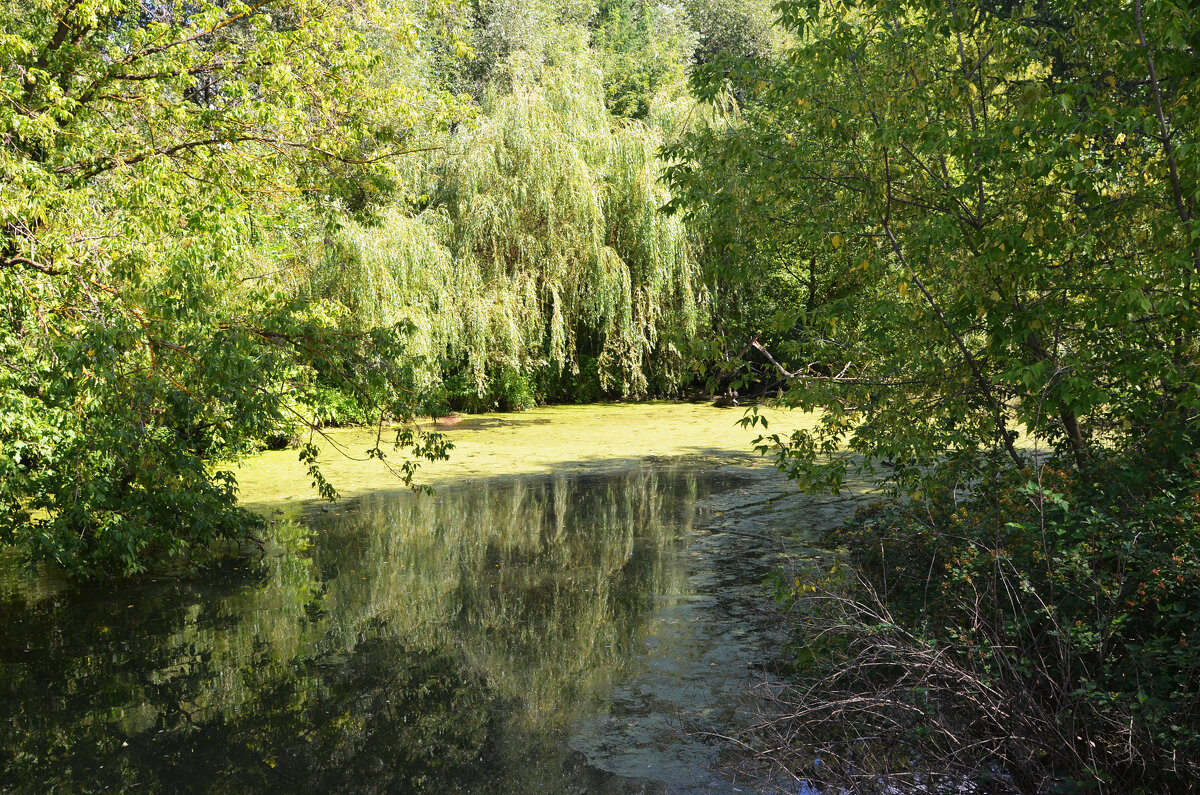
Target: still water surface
column 554, row 632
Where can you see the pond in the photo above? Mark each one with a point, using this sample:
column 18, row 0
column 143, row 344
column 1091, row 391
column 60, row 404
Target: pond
column 580, row 623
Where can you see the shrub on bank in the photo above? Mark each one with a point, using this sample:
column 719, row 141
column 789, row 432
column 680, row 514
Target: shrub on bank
column 1038, row 636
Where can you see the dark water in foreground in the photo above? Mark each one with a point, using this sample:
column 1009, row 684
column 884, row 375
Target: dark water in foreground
column 527, row 634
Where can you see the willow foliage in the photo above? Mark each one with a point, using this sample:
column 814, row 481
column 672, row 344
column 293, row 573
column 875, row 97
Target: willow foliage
column 544, row 256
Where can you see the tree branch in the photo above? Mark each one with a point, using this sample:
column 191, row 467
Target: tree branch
column 1181, row 206
column 985, row 385
column 12, row 262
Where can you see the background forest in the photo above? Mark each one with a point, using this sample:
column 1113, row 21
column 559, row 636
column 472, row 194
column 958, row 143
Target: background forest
column 964, row 232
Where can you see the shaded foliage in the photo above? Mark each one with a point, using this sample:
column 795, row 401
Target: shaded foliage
column 984, row 214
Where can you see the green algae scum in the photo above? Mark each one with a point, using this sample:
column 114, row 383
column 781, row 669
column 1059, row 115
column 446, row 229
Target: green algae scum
column 582, row 591
column 549, row 439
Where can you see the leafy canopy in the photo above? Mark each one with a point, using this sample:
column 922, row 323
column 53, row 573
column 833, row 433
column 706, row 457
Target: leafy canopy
column 985, row 218
column 163, row 166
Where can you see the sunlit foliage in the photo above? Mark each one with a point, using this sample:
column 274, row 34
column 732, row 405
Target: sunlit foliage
column 163, row 167
column 542, row 267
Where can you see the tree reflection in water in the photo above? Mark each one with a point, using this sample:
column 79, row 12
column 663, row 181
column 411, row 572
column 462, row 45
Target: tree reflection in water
column 442, row 643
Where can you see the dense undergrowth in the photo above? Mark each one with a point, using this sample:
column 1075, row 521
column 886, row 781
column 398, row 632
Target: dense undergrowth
column 1031, row 633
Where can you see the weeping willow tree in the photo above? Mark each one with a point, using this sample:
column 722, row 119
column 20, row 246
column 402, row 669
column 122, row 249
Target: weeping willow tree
column 542, row 267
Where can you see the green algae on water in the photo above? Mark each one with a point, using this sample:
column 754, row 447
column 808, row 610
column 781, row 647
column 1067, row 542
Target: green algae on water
column 602, row 437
